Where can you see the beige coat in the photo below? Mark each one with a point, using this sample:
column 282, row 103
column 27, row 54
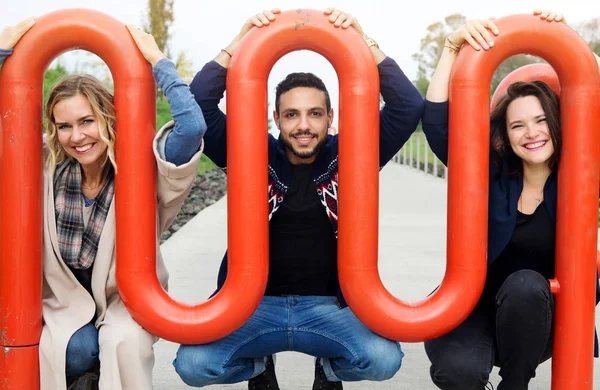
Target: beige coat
column 126, row 349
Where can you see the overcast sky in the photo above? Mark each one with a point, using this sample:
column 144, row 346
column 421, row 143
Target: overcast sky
column 203, row 27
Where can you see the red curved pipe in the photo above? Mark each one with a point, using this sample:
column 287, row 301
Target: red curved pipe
column 467, row 191
column 21, row 165
column 247, row 178
column 577, row 213
column 539, row 71
column 247, row 113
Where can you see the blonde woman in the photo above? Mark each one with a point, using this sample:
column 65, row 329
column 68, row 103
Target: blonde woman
column 89, row 340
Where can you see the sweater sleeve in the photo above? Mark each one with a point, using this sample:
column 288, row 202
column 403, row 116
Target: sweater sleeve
column 5, row 53
column 185, row 138
column 402, row 111
column 435, row 127
column 208, row 88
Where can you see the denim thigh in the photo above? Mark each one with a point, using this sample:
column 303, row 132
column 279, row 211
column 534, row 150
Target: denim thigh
column 82, row 350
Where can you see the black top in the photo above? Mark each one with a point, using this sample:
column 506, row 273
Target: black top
column 84, row 276
column 398, row 119
column 530, row 247
column 302, row 245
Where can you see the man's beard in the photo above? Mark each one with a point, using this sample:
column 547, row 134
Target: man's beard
column 304, row 154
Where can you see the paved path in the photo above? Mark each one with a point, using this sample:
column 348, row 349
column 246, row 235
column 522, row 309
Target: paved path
column 412, row 260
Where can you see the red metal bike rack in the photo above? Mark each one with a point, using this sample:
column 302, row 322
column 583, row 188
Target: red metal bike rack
column 577, row 209
column 151, row 306
column 21, row 166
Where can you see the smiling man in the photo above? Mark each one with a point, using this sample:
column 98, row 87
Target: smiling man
column 303, row 308
column 303, row 115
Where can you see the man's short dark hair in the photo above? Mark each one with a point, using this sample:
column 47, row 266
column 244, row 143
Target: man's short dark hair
column 300, row 79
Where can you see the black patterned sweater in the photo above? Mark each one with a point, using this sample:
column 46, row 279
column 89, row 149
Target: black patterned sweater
column 398, row 120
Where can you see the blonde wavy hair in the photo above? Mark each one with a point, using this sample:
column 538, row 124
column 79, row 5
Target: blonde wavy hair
column 102, row 102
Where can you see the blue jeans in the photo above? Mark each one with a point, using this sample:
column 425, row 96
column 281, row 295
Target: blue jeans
column 82, row 350
column 314, row 325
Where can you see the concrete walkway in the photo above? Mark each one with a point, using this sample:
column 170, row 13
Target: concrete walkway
column 412, row 259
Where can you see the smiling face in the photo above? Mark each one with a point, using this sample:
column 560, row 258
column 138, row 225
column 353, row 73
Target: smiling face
column 81, row 118
column 303, row 120
column 78, row 132
column 528, row 131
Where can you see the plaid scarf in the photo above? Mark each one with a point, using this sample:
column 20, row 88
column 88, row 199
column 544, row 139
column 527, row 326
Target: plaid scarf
column 78, row 244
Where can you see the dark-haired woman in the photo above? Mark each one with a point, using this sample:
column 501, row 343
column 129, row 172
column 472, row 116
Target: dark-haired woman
column 511, row 327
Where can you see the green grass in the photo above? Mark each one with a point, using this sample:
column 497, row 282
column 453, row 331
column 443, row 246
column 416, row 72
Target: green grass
column 205, row 165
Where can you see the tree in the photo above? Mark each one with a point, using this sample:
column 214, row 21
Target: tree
column 158, row 22
column 590, row 31
column 51, row 77
column 185, row 67
column 159, row 18
column 422, row 83
column 509, row 65
column 432, row 46
column 95, row 66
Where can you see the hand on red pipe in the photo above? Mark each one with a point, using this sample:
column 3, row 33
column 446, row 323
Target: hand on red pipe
column 11, row 34
column 147, row 44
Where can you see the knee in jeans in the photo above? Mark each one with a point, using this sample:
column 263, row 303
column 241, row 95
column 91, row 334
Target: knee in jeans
column 459, row 374
column 524, row 285
column 195, row 367
column 381, row 359
column 82, row 349
column 86, row 350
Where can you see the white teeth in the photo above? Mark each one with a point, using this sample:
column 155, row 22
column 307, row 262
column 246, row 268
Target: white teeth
column 535, row 145
column 83, row 148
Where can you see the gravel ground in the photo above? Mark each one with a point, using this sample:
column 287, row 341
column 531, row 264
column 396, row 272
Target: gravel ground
column 207, row 189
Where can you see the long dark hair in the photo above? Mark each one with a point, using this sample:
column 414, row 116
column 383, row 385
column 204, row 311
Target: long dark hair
column 502, row 154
